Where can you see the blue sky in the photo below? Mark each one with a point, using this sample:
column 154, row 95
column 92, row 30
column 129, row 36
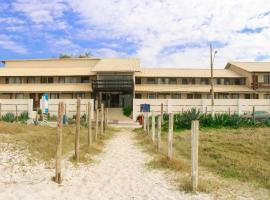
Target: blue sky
column 159, row 32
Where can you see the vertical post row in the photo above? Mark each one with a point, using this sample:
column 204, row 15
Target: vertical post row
column 153, row 127
column 102, row 119
column 89, row 124
column 159, row 133
column 170, row 136
column 253, row 114
column 59, row 139
column 194, row 154
column 78, row 127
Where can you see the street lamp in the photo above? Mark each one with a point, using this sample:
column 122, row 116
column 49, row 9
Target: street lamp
column 212, row 59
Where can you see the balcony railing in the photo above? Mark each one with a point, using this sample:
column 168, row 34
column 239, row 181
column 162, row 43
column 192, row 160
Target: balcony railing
column 260, row 85
column 113, row 85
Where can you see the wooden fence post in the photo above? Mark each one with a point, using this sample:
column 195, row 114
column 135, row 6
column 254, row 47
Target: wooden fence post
column 148, row 123
column 89, row 124
column 0, row 110
column 96, row 134
column 106, row 121
column 144, row 122
column 194, row 154
column 253, row 114
column 159, row 133
column 161, row 112
column 102, row 119
column 170, row 136
column 59, row 139
column 78, row 126
column 16, row 112
column 153, row 127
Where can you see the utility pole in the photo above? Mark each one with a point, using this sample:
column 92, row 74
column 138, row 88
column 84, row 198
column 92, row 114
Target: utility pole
column 212, row 57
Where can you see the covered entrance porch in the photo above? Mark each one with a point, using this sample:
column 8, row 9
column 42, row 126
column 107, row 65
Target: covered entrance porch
column 116, row 99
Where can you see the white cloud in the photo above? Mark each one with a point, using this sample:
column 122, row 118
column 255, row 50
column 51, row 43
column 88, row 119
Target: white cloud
column 41, row 11
column 7, row 43
column 157, row 25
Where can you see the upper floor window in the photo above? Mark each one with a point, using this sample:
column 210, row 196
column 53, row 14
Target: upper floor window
column 46, row 80
column 204, row 81
column 184, row 81
column 54, row 96
column 235, row 96
column 162, row 80
column 70, row 79
column 151, row 80
column 31, row 80
column 266, row 79
column 85, row 79
column 19, row 96
column 172, row 81
column 138, row 80
column 14, row 80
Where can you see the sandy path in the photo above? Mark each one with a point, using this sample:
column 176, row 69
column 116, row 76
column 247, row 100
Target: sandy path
column 120, row 173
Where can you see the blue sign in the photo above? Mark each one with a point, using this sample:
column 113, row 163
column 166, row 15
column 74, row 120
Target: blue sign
column 145, row 107
column 46, row 102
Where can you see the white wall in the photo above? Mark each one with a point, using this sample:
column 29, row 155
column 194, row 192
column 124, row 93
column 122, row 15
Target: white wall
column 11, row 105
column 239, row 106
column 71, row 106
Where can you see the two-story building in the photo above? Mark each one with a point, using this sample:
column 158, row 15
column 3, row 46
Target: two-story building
column 116, row 81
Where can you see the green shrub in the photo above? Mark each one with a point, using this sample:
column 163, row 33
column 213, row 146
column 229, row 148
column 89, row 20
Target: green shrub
column 23, row 117
column 9, row 117
column 127, row 111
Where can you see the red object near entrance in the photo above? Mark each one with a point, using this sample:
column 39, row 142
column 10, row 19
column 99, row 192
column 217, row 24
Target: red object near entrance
column 140, row 119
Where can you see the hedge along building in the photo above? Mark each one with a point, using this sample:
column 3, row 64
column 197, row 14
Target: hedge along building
column 116, row 81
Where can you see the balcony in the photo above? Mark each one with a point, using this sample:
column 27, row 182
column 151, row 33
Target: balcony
column 113, row 85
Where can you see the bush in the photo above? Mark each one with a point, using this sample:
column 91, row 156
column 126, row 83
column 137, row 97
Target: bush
column 183, row 120
column 23, row 117
column 127, row 111
column 9, row 117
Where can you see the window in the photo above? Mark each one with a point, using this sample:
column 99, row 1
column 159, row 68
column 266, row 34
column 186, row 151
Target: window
column 223, row 95
column 80, row 95
column 31, row 80
column 228, row 81
column 266, row 79
column 197, row 96
column 193, row 81
column 151, row 80
column 19, row 96
column 70, row 79
column 189, row 96
column 176, row 96
column 84, row 79
column 235, row 96
column 266, row 96
column 61, row 79
column 138, row 80
column 151, row 96
column 172, row 81
column 204, row 81
column 247, row 96
column 220, row 81
column 184, row 81
column 54, row 96
column 162, row 80
column 13, row 80
column 138, row 96
column 50, row 79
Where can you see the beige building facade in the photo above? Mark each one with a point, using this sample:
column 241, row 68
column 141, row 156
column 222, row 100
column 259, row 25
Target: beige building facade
column 117, row 81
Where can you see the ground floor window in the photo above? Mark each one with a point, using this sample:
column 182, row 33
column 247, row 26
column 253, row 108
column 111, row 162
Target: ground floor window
column 152, row 96
column 54, row 96
column 266, row 96
column 176, row 96
column 234, row 96
column 194, row 96
column 19, row 96
column 80, row 95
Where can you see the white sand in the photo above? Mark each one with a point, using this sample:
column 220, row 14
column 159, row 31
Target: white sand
column 120, row 173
